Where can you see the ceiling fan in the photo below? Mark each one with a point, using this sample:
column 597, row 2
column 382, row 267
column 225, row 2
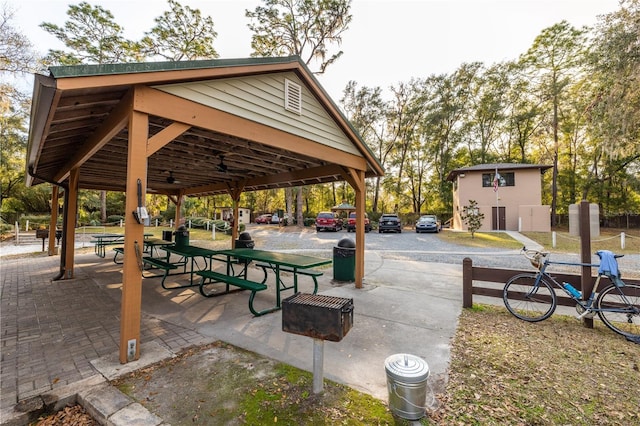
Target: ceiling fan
column 222, row 167
column 170, row 179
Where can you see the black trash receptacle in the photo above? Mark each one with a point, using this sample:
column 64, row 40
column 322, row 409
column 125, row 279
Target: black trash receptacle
column 182, row 236
column 244, row 241
column 344, row 260
column 167, row 235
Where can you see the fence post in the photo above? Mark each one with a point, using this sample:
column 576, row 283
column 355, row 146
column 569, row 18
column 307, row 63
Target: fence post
column 585, row 256
column 553, row 239
column 467, row 283
column 17, row 228
column 622, row 240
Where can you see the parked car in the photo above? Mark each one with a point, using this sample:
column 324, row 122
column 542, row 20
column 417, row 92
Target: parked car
column 328, row 221
column 428, row 223
column 275, row 218
column 351, row 223
column 263, row 218
column 389, row 222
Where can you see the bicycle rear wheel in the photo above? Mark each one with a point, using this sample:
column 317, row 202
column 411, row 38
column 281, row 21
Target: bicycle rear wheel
column 620, row 309
column 528, row 302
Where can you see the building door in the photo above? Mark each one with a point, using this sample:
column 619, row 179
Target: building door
column 498, row 218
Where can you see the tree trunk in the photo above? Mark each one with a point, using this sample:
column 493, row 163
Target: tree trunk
column 103, row 206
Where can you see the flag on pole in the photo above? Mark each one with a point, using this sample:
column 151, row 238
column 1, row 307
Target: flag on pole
column 496, row 181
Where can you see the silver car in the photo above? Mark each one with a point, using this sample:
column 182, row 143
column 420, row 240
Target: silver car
column 428, row 223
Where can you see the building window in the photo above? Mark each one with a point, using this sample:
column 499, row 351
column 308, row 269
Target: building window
column 506, row 179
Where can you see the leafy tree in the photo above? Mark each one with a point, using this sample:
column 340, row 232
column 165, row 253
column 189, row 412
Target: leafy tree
column 554, row 61
column 181, row 34
column 367, row 111
column 472, row 217
column 307, row 28
column 16, row 51
column 91, row 37
column 17, row 57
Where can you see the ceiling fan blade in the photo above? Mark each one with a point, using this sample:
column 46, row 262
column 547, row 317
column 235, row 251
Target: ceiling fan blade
column 222, row 167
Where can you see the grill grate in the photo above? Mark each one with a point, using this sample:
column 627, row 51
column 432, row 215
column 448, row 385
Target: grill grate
column 321, row 301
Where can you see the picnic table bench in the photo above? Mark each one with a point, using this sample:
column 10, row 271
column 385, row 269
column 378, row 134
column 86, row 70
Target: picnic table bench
column 308, row 272
column 240, row 282
column 150, row 247
column 277, row 262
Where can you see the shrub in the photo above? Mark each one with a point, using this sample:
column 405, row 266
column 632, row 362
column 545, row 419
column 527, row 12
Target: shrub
column 115, row 219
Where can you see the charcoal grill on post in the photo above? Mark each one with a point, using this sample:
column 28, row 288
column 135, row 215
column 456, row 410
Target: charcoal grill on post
column 320, row 317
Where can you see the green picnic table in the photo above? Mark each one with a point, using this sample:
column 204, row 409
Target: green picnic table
column 277, row 262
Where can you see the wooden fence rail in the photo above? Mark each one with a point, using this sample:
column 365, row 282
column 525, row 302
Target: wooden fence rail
column 474, row 281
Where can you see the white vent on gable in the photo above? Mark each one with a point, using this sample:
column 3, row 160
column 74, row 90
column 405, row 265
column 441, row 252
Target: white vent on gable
column 292, row 97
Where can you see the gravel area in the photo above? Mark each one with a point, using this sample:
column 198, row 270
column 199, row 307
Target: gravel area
column 407, row 245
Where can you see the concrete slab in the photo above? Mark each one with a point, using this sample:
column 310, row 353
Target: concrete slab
column 111, row 368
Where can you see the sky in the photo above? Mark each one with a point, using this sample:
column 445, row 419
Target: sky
column 388, row 42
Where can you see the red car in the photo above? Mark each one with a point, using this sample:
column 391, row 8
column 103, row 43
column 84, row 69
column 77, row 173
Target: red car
column 351, row 224
column 328, row 221
column 263, row 218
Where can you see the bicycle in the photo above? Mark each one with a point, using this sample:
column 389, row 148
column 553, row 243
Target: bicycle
column 531, row 297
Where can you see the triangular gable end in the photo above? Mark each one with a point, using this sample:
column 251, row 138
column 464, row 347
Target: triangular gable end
column 263, row 99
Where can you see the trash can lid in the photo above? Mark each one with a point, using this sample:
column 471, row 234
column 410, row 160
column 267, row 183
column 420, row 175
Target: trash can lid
column 346, row 243
column 245, row 236
column 406, row 368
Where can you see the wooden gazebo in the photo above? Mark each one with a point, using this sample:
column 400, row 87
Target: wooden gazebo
column 187, row 128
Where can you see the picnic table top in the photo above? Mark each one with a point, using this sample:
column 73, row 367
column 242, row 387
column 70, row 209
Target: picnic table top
column 292, row 260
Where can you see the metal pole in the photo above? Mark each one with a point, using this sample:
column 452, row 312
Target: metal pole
column 318, row 361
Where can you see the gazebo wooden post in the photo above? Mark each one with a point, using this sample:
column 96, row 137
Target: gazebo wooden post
column 131, row 303
column 356, row 180
column 70, row 233
column 55, row 191
column 360, row 207
column 177, row 217
column 235, row 192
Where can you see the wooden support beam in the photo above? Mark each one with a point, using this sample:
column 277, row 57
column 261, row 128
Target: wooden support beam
column 131, row 304
column 235, row 191
column 158, row 103
column 166, row 135
column 359, row 186
column 55, row 192
column 70, row 233
column 116, row 121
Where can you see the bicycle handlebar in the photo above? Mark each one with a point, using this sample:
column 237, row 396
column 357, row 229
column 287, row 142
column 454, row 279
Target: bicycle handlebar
column 535, row 255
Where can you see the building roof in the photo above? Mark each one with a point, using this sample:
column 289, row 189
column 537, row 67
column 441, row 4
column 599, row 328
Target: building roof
column 223, row 118
column 501, row 167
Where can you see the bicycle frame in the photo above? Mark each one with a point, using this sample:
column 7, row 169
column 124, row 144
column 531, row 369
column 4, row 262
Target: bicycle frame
column 587, row 304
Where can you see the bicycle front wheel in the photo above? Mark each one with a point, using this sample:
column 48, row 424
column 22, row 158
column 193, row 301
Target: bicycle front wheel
column 619, row 309
column 527, row 300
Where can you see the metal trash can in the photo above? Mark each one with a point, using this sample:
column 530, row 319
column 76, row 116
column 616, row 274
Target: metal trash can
column 407, row 385
column 344, row 260
column 167, row 235
column 182, row 236
column 244, row 241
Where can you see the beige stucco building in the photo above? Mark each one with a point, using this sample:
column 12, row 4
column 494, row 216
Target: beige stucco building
column 514, row 203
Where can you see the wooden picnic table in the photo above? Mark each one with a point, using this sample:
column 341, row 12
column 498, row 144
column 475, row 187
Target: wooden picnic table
column 277, row 262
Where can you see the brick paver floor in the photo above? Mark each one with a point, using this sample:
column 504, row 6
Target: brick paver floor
column 51, row 330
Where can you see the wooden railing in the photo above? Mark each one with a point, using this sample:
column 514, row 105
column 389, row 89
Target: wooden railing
column 475, row 279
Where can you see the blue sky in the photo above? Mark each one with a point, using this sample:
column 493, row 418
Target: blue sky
column 389, row 41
